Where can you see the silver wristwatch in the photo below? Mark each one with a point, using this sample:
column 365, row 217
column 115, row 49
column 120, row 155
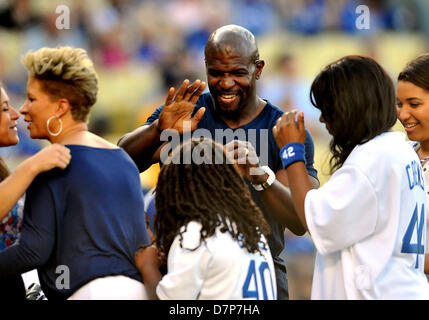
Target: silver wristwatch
column 268, row 182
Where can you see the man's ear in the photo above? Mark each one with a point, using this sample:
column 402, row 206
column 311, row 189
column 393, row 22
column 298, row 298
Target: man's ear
column 259, row 66
column 63, row 107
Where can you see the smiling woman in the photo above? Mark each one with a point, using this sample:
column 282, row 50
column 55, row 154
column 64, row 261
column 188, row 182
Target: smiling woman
column 37, row 110
column 8, row 118
column 412, row 95
column 413, row 102
column 12, row 187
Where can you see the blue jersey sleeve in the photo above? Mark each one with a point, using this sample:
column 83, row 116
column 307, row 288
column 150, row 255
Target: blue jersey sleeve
column 154, row 116
column 309, row 155
column 37, row 236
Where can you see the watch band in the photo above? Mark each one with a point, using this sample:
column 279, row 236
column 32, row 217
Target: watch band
column 265, row 185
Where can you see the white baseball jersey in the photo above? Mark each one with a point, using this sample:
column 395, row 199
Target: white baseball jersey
column 368, row 223
column 219, row 269
column 416, row 146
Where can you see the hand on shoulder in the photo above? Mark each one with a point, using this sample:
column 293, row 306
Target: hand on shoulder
column 50, row 157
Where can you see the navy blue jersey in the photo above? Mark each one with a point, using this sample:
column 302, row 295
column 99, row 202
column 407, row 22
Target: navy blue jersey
column 88, row 218
column 259, row 133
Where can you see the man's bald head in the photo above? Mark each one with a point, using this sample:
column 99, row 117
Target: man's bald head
column 232, row 39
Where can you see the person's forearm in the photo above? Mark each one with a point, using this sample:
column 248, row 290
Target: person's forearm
column 278, row 201
column 151, row 277
column 141, row 144
column 14, row 186
column 300, row 184
column 38, row 232
column 32, row 251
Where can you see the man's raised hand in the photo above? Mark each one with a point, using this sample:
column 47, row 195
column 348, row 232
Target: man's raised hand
column 179, row 106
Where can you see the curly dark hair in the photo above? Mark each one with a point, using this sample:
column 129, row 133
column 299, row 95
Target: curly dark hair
column 357, row 100
column 211, row 193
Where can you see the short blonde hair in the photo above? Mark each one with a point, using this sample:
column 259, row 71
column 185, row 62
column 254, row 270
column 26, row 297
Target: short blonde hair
column 65, row 72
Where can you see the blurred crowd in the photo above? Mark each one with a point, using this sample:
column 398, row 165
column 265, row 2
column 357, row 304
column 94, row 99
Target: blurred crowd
column 166, row 33
column 155, row 44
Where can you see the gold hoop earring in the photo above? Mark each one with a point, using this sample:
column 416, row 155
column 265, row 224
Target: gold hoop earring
column 49, row 130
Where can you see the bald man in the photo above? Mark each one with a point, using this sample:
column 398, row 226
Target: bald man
column 233, row 113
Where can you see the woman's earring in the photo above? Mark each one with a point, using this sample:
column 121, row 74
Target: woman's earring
column 49, row 130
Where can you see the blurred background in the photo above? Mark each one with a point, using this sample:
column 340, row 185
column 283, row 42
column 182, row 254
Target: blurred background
column 142, row 47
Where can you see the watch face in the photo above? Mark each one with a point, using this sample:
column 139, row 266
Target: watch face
column 266, row 184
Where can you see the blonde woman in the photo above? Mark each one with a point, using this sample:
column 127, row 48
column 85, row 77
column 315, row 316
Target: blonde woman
column 82, row 224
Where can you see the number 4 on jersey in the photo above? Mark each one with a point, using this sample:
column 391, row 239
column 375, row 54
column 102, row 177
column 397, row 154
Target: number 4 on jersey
column 407, row 246
column 251, row 281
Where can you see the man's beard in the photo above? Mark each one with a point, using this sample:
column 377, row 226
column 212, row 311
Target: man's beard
column 229, row 114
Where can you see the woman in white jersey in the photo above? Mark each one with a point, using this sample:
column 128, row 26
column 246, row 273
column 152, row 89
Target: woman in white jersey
column 368, row 222
column 211, row 230
column 413, row 111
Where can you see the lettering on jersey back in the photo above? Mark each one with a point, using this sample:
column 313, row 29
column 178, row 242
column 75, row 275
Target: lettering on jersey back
column 415, row 175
